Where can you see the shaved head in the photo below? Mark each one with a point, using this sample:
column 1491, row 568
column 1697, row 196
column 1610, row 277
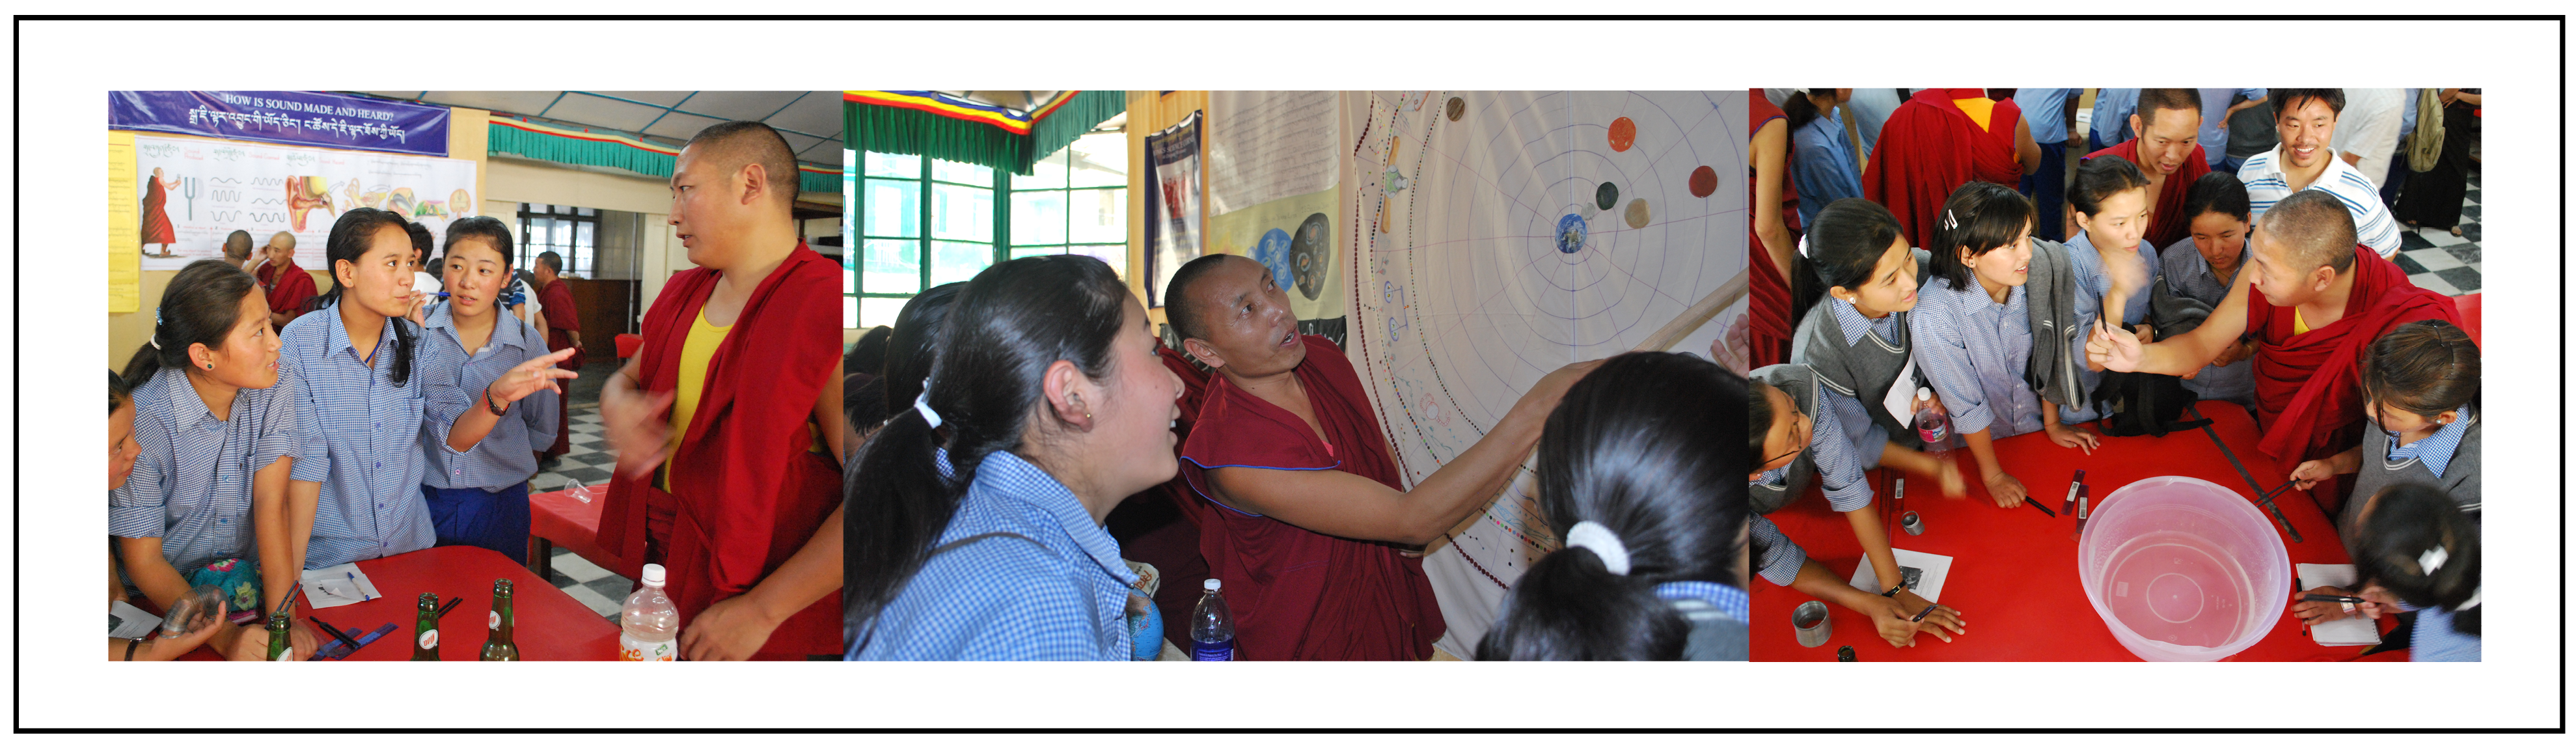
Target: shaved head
column 2152, row 100
column 732, row 145
column 1179, row 307
column 283, row 240
column 237, row 246
column 2313, row 229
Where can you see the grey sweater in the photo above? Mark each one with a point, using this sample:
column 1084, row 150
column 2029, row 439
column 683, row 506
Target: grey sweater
column 2055, row 369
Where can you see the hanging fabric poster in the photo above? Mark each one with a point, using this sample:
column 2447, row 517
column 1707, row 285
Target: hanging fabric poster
column 1270, row 145
column 1294, row 237
column 1172, row 227
column 1502, row 235
column 192, row 192
column 291, row 117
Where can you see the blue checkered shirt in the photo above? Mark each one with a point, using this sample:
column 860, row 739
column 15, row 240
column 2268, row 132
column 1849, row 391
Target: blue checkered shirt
column 2265, row 184
column 361, row 440
column 2190, row 276
column 1840, row 467
column 507, row 456
column 1975, row 351
column 1775, row 557
column 1056, row 591
column 2436, row 642
column 1855, row 325
column 191, row 485
column 2435, row 450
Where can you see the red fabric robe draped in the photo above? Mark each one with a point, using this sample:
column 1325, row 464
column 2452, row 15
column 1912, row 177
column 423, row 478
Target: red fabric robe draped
column 1769, row 322
column 1297, row 594
column 2169, row 224
column 289, row 287
column 752, row 492
column 1929, row 147
column 2307, row 387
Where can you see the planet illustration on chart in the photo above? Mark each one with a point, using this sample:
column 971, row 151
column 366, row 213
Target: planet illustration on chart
column 1638, row 213
column 1606, row 196
column 1310, row 254
column 1570, row 233
column 1272, row 251
column 1703, row 182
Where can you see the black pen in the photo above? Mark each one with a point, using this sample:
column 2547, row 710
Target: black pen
column 1927, row 611
column 2334, row 599
column 2301, row 586
column 2042, row 508
column 451, row 606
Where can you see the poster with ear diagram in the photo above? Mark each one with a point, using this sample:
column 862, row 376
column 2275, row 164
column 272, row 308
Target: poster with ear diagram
column 192, row 192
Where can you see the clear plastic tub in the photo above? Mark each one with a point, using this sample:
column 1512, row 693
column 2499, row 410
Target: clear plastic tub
column 2183, row 570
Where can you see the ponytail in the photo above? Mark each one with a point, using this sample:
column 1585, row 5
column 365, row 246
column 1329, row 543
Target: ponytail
column 200, row 307
column 1637, row 463
column 351, row 236
column 2417, row 543
column 1001, row 333
column 1840, row 250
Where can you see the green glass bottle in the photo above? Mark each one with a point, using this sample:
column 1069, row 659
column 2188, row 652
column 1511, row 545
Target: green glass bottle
column 424, row 641
column 279, row 649
column 498, row 647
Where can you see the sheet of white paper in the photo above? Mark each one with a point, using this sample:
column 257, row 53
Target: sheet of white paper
column 123, row 620
column 1900, row 397
column 2350, row 631
column 1935, row 567
column 338, row 585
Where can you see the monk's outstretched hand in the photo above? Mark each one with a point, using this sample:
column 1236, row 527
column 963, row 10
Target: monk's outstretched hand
column 639, row 429
column 2113, row 348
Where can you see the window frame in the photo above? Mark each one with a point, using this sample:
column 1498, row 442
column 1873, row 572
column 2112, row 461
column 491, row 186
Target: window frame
column 579, row 260
column 924, row 184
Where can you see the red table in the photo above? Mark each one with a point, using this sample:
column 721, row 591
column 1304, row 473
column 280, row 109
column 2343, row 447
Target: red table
column 2013, row 574
column 548, row 625
column 570, row 519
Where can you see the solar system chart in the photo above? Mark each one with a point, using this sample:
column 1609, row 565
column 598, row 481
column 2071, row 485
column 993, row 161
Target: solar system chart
column 1502, row 235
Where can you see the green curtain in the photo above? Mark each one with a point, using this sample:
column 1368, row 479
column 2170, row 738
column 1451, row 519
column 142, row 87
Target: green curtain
column 888, row 129
column 546, row 147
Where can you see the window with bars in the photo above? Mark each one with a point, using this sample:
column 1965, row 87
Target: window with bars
column 964, row 218
column 572, row 232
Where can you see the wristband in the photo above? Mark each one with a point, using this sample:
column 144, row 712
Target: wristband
column 1891, row 592
column 130, row 645
column 498, row 409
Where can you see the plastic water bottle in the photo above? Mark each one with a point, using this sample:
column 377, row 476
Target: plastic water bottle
column 1929, row 422
column 1212, row 626
column 652, row 624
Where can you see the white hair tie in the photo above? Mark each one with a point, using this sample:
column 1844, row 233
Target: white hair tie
column 922, row 404
column 156, row 329
column 1802, row 247
column 1602, row 542
column 2473, row 599
column 2432, row 559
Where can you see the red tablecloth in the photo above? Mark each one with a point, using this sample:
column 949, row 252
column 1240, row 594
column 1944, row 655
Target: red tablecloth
column 570, row 521
column 2013, row 574
column 549, row 626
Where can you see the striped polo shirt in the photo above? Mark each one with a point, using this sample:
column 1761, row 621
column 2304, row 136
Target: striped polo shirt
column 2265, row 184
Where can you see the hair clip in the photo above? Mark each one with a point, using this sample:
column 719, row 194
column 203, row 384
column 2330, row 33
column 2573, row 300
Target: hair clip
column 1949, row 220
column 2432, row 559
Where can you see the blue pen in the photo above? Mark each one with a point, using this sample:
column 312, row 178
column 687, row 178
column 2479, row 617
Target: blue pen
column 362, row 592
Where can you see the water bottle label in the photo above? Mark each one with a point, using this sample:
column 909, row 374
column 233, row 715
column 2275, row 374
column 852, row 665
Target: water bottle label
column 494, row 623
column 429, row 639
column 629, row 648
column 1212, row 651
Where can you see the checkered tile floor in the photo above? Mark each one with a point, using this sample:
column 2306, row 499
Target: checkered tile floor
column 2441, row 262
column 587, row 462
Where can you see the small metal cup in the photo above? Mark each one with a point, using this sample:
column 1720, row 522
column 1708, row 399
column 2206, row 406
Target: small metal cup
column 1913, row 523
column 1813, row 623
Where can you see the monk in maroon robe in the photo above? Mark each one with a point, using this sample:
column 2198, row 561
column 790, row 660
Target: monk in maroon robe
column 1938, row 141
column 2313, row 299
column 2168, row 151
column 288, row 286
column 748, row 528
column 563, row 332
column 1305, row 515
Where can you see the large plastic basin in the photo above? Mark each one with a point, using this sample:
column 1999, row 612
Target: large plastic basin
column 2182, row 569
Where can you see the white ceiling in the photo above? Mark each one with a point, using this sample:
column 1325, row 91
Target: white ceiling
column 810, row 120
